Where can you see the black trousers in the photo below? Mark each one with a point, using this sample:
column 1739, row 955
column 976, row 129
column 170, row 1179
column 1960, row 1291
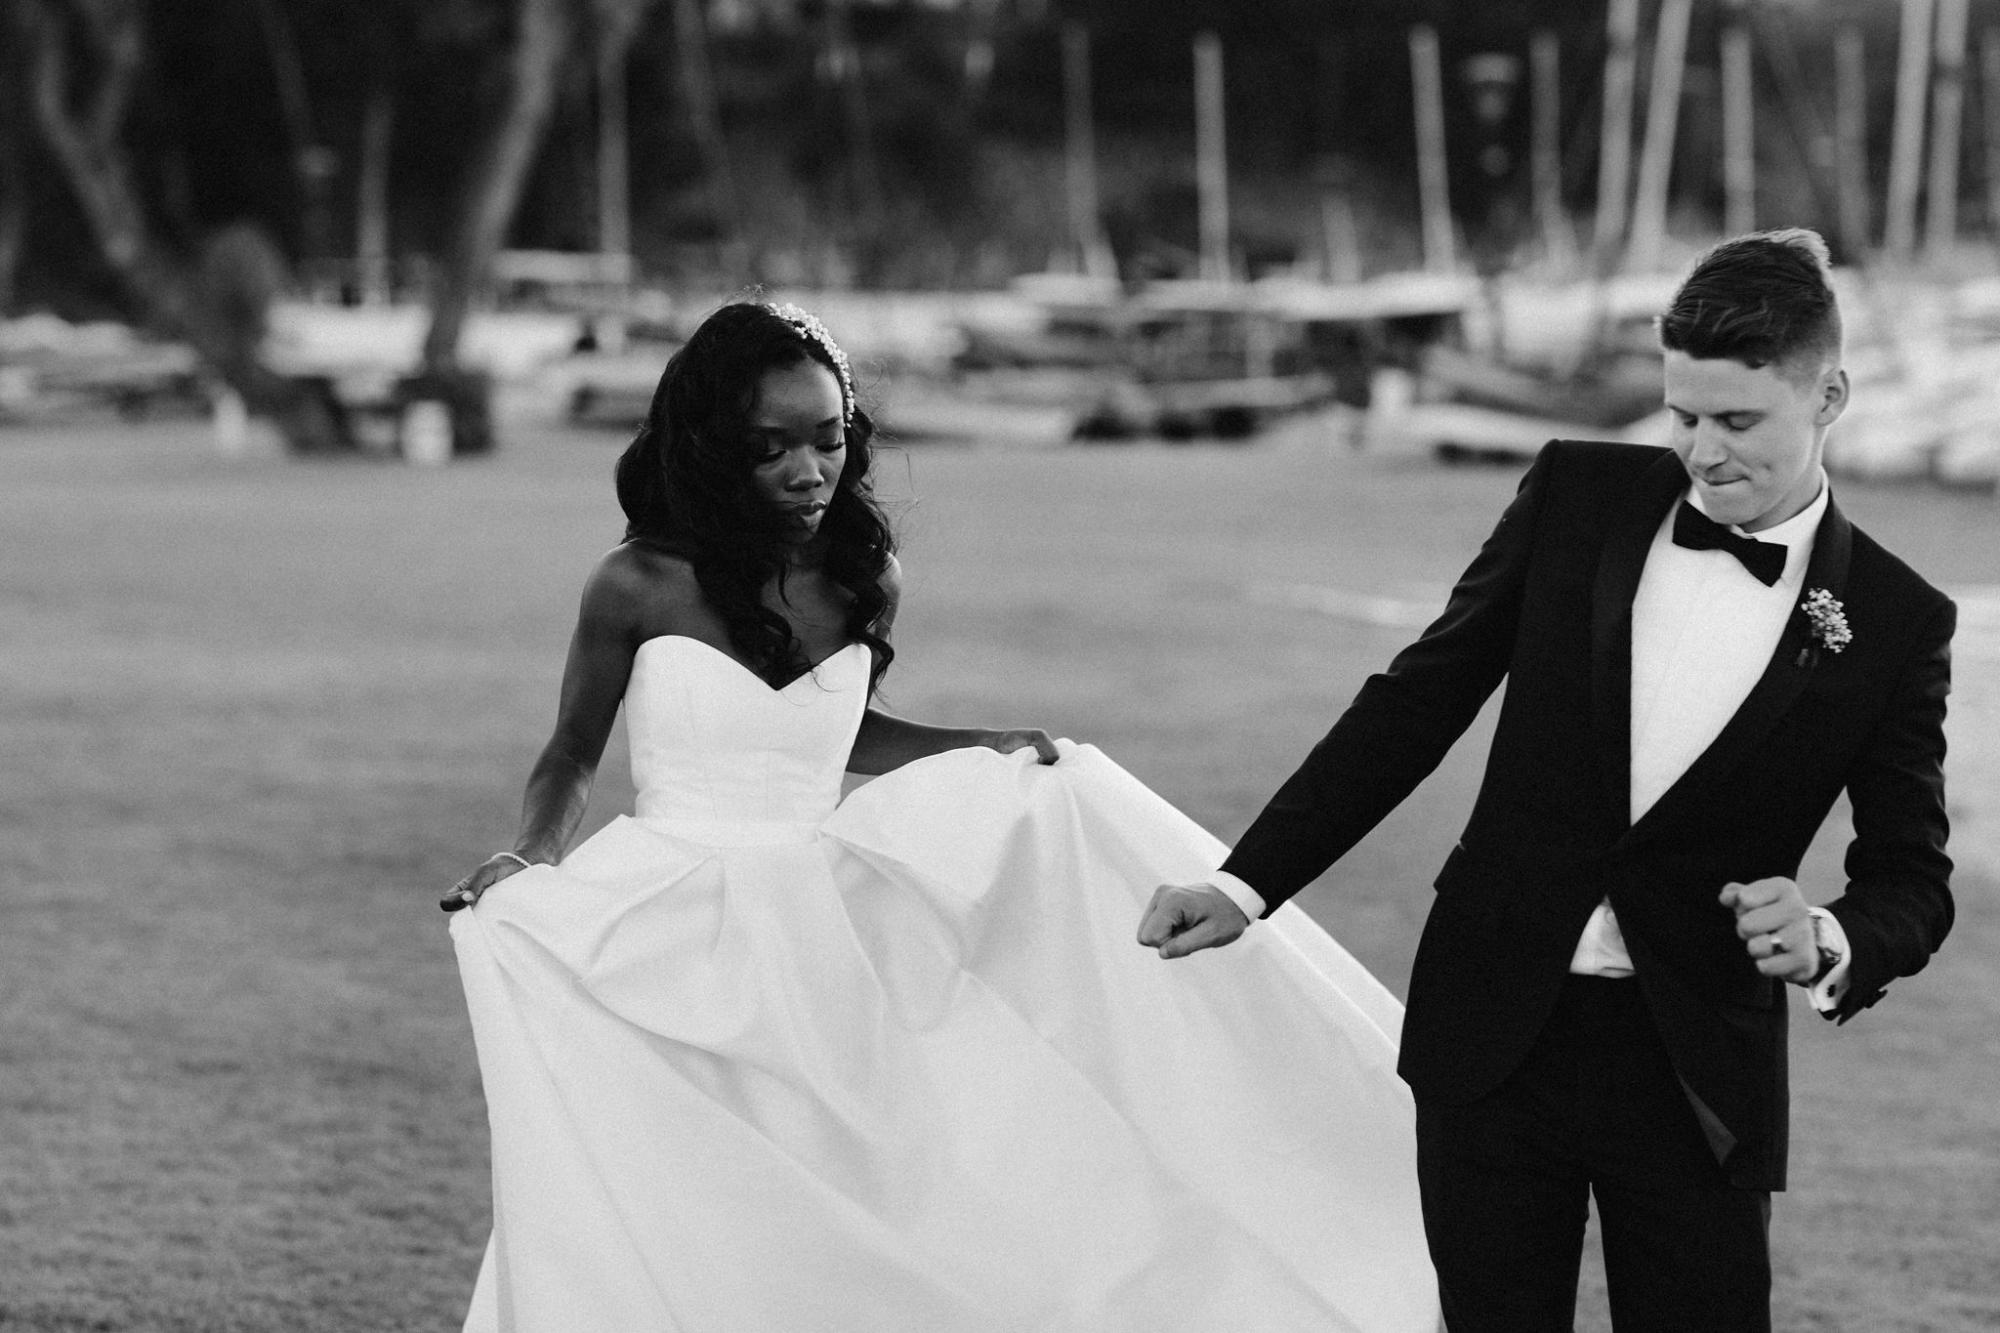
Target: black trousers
column 1596, row 1111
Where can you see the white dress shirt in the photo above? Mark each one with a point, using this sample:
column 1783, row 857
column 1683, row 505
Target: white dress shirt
column 1703, row 630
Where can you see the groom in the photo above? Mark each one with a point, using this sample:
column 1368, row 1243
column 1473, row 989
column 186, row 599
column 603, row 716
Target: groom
column 1701, row 653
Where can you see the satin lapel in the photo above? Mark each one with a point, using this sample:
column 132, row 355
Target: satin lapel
column 1785, row 675
column 1618, row 569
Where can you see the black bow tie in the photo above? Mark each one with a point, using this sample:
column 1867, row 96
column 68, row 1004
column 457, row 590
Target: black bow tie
column 1698, row 532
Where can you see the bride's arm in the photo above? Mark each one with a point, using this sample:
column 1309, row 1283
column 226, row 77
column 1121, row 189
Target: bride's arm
column 594, row 677
column 885, row 741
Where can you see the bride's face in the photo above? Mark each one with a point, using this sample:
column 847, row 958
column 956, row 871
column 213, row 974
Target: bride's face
column 797, row 442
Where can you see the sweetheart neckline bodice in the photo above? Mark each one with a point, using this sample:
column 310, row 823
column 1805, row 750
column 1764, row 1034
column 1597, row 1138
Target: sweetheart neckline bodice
column 808, row 674
column 716, row 746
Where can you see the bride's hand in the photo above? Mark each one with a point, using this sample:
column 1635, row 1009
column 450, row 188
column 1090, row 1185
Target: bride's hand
column 1020, row 738
column 488, row 873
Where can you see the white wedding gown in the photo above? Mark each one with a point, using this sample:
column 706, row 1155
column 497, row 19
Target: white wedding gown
column 760, row 1060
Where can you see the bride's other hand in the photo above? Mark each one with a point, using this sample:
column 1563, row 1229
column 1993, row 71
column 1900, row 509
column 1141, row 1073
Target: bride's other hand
column 1185, row 918
column 488, row 873
column 1020, row 738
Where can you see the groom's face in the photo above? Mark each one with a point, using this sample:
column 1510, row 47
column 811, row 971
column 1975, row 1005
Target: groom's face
column 1752, row 439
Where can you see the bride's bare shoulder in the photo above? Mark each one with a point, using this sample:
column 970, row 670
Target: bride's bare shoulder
column 641, row 588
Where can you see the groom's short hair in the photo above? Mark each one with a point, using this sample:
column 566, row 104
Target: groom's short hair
column 1763, row 299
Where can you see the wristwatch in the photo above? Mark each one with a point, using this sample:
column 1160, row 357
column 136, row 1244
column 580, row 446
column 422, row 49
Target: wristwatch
column 1829, row 956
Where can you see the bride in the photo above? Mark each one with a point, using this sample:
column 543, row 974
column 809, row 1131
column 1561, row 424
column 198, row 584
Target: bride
column 759, row 1059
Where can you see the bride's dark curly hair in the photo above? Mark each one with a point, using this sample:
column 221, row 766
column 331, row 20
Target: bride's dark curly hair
column 685, row 485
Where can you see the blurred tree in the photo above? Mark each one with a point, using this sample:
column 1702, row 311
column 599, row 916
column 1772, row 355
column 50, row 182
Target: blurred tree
column 890, row 142
column 84, row 61
column 85, row 65
column 13, row 172
column 312, row 162
column 543, row 34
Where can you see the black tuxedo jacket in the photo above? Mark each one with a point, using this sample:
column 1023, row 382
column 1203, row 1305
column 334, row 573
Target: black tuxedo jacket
column 1547, row 605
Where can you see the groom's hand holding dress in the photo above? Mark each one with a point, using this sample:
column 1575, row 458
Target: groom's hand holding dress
column 1185, row 918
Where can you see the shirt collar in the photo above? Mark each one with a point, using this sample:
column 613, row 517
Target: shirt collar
column 1796, row 531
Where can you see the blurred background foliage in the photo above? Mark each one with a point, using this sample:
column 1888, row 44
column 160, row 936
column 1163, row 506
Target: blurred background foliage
column 833, row 141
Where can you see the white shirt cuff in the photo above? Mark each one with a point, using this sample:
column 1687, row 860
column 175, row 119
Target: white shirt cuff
column 1248, row 899
column 1832, row 988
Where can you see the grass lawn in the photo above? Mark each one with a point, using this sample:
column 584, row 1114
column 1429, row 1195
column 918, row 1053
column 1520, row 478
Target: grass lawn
column 258, row 714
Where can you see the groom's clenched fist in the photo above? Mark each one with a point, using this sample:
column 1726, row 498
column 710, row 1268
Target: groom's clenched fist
column 1183, row 918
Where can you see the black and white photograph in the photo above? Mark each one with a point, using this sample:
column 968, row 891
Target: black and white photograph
column 1000, row 666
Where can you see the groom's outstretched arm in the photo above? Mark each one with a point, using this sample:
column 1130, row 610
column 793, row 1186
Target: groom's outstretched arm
column 1405, row 719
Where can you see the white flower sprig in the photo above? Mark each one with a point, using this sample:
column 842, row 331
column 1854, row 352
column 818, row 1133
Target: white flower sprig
column 808, row 324
column 1828, row 619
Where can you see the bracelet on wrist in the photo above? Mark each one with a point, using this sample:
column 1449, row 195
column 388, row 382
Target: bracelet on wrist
column 515, row 857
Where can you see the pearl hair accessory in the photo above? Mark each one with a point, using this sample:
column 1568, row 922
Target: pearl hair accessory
column 808, row 324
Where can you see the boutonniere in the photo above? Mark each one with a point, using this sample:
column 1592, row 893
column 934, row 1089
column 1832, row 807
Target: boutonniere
column 1828, row 621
